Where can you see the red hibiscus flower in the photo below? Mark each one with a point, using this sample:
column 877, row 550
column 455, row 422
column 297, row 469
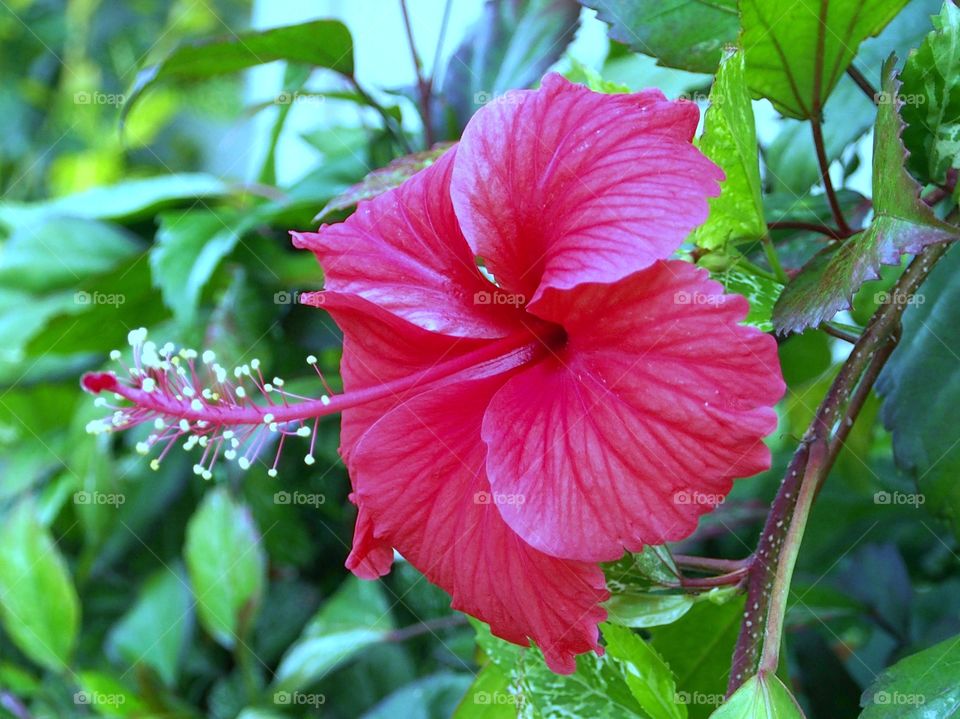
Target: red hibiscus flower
column 605, row 397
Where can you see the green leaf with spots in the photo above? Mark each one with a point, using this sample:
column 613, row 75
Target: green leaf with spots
column 931, row 90
column 761, row 292
column 730, row 140
column 685, row 34
column 797, row 51
column 901, row 224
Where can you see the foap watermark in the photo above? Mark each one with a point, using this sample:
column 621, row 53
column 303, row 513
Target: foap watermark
column 290, row 297
column 299, row 699
column 99, row 699
column 698, row 698
column 510, row 97
column 497, row 699
column 899, row 699
column 299, row 98
column 696, row 298
column 306, row 499
column 887, row 98
column 482, row 297
column 100, row 499
column 899, row 499
column 900, row 299
column 689, row 496
column 99, row 98
column 498, row 498
column 82, row 297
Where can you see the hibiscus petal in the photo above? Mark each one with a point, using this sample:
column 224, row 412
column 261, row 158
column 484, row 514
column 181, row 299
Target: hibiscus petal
column 420, row 473
column 404, row 252
column 563, row 185
column 641, row 422
column 370, row 557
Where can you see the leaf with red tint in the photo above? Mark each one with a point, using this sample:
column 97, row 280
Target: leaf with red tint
column 385, row 178
column 902, row 224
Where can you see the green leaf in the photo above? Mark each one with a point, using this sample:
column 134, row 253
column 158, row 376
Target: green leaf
column 931, row 93
column 156, row 629
column 698, row 647
column 107, row 696
column 730, row 140
column 585, row 75
column 59, row 252
column 189, row 247
column 320, row 43
column 648, row 677
column 433, row 697
column 796, row 52
column 685, row 34
column 38, row 603
column 356, row 617
column 762, row 697
column 510, row 47
column 761, row 292
column 385, row 178
column 901, row 224
column 639, row 593
column 791, row 159
column 489, row 696
column 921, row 390
column 922, row 686
column 227, row 566
column 597, row 689
column 129, row 200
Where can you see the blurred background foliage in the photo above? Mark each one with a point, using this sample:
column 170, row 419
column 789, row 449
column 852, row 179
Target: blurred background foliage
column 112, row 583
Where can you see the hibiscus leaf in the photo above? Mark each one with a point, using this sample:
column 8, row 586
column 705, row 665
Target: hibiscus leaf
column 685, row 34
column 356, row 617
column 762, row 697
column 920, row 387
column 901, row 224
column 698, row 648
column 730, row 140
column 796, row 52
column 921, row 685
column 597, row 689
column 188, row 249
column 383, row 179
column 761, row 292
column 38, row 603
column 647, row 675
column 155, row 630
column 791, row 159
column 319, row 43
column 510, row 47
column 227, row 566
column 129, row 200
column 931, row 88
column 489, row 696
column 584, row 75
column 639, row 589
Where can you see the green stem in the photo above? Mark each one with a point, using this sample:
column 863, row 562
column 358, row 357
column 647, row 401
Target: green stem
column 770, row 574
column 771, row 253
column 389, row 123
